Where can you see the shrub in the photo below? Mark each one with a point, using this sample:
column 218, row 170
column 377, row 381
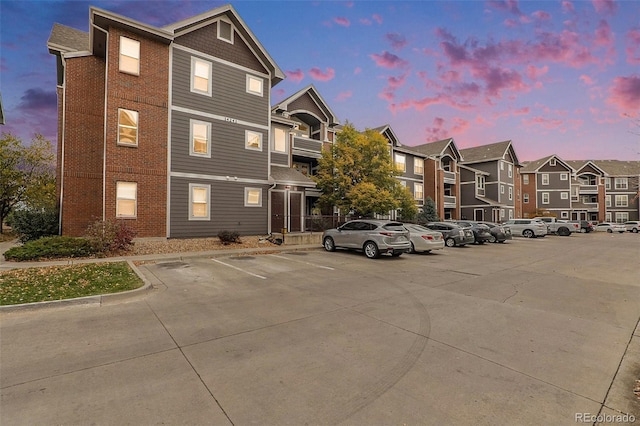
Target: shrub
column 31, row 224
column 109, row 236
column 50, row 248
column 228, row 237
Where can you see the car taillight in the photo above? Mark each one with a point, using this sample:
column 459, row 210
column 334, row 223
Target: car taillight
column 388, row 234
column 427, row 237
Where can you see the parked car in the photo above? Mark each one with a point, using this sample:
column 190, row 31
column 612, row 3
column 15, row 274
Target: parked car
column 454, row 235
column 529, row 228
column 585, row 225
column 423, row 240
column 559, row 227
column 481, row 233
column 372, row 236
column 499, row 233
column 632, row 226
column 610, row 227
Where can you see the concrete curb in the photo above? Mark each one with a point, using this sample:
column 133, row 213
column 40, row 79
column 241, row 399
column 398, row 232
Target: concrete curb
column 147, row 286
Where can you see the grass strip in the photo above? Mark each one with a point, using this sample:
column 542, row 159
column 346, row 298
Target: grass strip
column 42, row 284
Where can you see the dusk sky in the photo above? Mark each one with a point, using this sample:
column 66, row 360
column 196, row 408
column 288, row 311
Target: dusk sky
column 554, row 77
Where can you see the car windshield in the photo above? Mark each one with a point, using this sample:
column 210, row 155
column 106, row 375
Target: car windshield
column 394, row 226
column 418, row 228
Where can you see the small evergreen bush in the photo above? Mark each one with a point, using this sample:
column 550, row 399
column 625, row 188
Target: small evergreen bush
column 228, row 237
column 50, row 248
column 31, row 224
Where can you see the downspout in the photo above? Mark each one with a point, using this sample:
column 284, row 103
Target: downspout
column 104, row 126
column 64, row 110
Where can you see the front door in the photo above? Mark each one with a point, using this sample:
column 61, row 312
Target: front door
column 295, row 211
column 277, row 211
column 478, row 214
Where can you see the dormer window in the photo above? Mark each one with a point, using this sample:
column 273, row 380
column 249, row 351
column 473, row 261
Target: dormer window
column 225, row 31
column 552, row 162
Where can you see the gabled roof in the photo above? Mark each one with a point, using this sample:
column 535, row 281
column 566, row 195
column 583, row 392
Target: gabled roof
column 577, row 165
column 477, row 171
column 534, row 166
column 315, row 96
column 490, row 152
column 437, row 148
column 618, row 167
column 289, row 176
column 388, row 133
column 67, row 39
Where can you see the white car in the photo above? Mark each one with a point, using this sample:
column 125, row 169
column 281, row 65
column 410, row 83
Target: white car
column 632, row 226
column 528, row 228
column 423, row 240
column 610, row 227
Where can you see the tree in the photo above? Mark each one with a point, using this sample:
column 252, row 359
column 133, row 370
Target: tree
column 27, row 175
column 429, row 213
column 357, row 175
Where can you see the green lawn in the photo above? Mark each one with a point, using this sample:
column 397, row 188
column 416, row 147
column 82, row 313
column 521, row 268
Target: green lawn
column 65, row 282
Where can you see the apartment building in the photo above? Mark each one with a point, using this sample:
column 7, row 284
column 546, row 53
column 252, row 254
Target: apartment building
column 489, row 182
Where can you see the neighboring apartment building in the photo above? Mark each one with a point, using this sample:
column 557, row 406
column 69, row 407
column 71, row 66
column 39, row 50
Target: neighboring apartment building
column 587, row 191
column 489, row 182
column 166, row 128
column 622, row 189
column 546, row 185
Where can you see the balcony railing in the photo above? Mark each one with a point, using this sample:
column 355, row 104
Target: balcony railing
column 449, row 201
column 307, row 147
column 588, row 189
column 480, row 192
column 449, row 177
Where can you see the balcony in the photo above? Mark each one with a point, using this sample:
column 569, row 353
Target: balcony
column 588, row 189
column 480, row 192
column 306, row 147
column 450, row 202
column 449, row 177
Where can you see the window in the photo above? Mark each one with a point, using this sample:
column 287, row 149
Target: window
column 525, row 179
column 418, row 191
column 225, row 31
column 622, row 201
column 510, row 193
column 403, row 183
column 564, row 195
column 510, row 170
column 501, row 214
column 502, row 189
column 200, row 140
column 253, row 140
column 545, row 178
column 607, row 200
column 552, row 162
column 621, row 183
column 525, row 198
column 607, row 217
column 129, row 56
column 545, row 198
column 199, row 196
column 564, row 215
column 480, row 181
column 622, row 217
column 253, row 197
column 200, row 76
column 510, row 214
column 502, row 165
column 127, row 127
column 607, row 183
column 400, row 163
column 279, row 140
column 418, row 166
column 254, row 85
column 126, row 199
column 564, row 176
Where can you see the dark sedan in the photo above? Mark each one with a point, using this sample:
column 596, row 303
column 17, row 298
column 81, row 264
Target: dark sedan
column 454, row 235
column 481, row 233
column 499, row 233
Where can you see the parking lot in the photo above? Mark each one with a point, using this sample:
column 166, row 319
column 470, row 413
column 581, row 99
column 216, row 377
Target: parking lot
column 533, row 331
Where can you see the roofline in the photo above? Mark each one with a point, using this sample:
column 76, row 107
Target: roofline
column 159, row 32
column 482, row 172
column 299, row 93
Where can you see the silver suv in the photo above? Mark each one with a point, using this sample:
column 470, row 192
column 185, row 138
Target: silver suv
column 372, row 236
column 529, row 228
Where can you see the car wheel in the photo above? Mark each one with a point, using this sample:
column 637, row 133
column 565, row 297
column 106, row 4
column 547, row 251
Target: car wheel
column 527, row 233
column 634, row 230
column 371, row 250
column 610, row 231
column 450, row 242
column 583, row 231
column 493, row 239
column 564, row 232
column 328, row 244
column 413, row 249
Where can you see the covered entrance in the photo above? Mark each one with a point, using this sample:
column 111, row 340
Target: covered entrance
column 287, row 204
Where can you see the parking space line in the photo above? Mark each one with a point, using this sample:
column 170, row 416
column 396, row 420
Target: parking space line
column 302, row 261
column 240, row 269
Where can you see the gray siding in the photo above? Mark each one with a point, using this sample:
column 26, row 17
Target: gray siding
column 554, row 181
column 227, row 210
column 279, row 158
column 410, row 164
column 555, row 200
column 229, row 157
column 229, row 97
column 548, row 168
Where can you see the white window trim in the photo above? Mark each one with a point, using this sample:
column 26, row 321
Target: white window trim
column 415, row 191
column 622, row 217
column 542, row 197
column 564, row 195
column 193, row 75
column 509, row 170
column 122, row 54
column 622, row 197
column 564, row 215
column 404, row 162
column 261, row 80
column 525, row 198
column 418, row 170
column 135, row 199
column 286, row 141
column 525, row 179
column 502, row 189
column 129, row 127
column 191, row 151
column 545, row 177
column 510, row 193
column 246, row 197
column 208, row 189
column 607, row 183
column 624, row 181
column 218, row 31
column 246, row 140
column 564, row 176
column 607, row 200
column 502, row 165
column 552, row 162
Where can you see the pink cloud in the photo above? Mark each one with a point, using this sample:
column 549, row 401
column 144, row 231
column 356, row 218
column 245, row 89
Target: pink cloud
column 387, row 95
column 342, row 21
column 343, row 96
column 541, row 15
column 534, row 73
column 460, row 125
column 511, row 23
column 587, row 80
column 377, row 18
column 436, row 131
column 625, row 94
column 633, row 46
column 604, row 36
column 388, row 60
column 397, row 40
column 605, row 6
column 295, row 76
column 365, row 21
column 510, row 6
column 357, row 71
column 546, row 123
column 396, row 82
column 499, row 79
column 567, row 7
column 317, row 74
